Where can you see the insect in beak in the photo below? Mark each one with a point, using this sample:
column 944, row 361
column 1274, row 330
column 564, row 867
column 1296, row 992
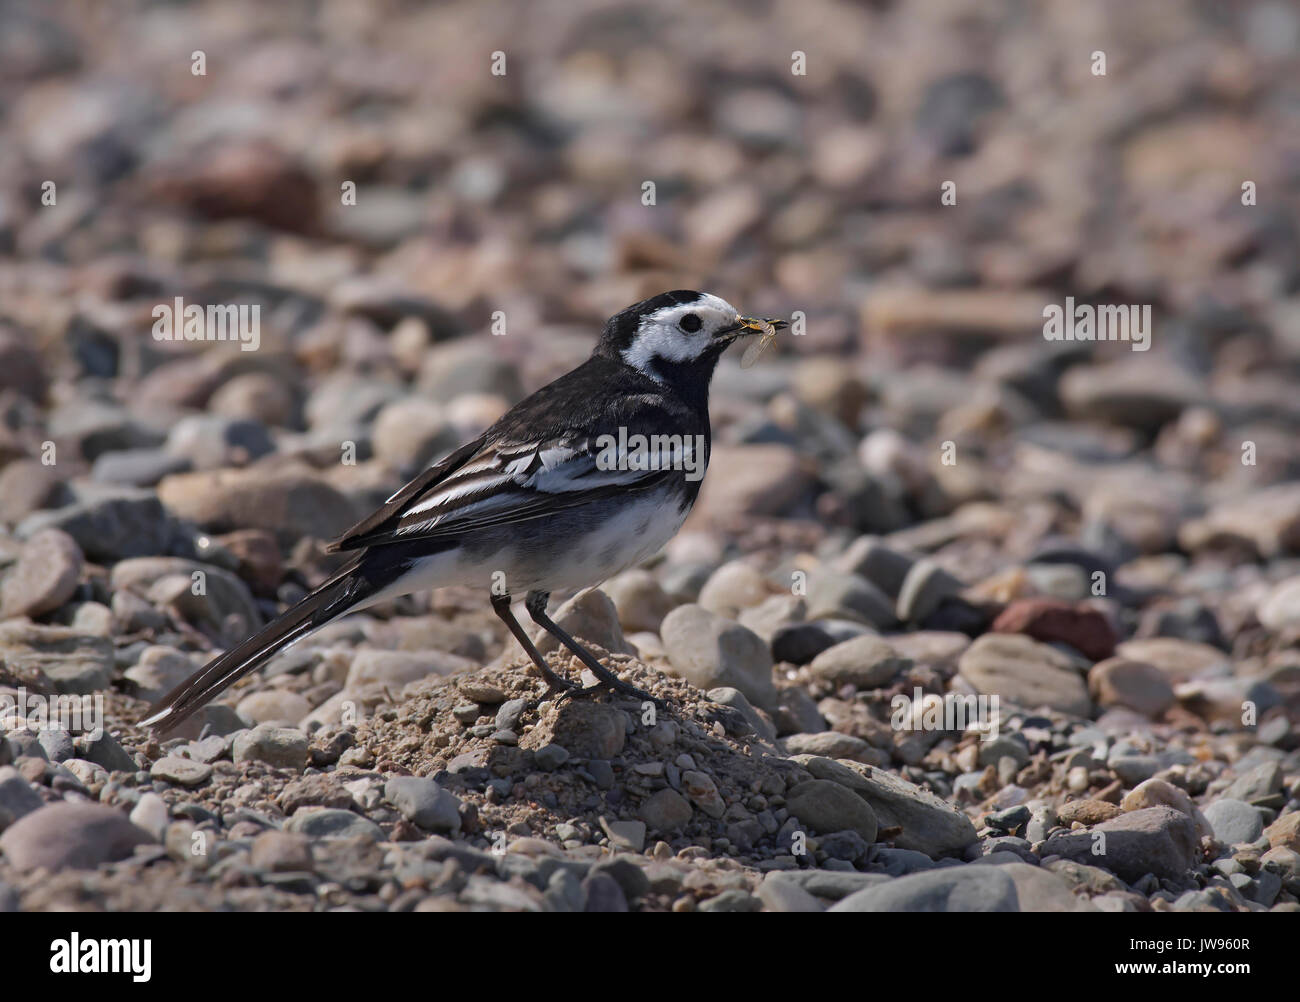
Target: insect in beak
column 766, row 327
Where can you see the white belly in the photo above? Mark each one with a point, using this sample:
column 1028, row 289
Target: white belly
column 624, row 540
column 559, row 554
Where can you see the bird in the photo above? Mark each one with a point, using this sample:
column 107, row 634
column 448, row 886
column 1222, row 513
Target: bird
column 590, row 475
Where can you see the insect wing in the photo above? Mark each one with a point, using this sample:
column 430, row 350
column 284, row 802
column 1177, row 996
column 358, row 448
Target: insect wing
column 756, row 348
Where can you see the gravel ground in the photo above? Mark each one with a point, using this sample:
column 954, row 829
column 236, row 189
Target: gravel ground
column 919, row 503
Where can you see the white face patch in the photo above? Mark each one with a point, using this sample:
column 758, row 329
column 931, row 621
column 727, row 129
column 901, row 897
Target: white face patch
column 661, row 335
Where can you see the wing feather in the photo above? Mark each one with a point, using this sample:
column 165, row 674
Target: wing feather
column 492, row 484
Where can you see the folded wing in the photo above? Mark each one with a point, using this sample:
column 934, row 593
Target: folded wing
column 487, row 484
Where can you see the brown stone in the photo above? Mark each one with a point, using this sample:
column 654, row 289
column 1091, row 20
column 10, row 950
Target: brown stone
column 1086, row 812
column 1085, row 629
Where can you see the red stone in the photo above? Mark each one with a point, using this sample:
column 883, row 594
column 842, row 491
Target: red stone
column 1049, row 620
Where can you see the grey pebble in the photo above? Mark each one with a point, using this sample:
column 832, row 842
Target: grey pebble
column 1234, row 821
column 331, row 822
column 424, row 802
column 951, row 889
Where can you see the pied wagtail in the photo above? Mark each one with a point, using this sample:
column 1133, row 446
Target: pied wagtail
column 542, row 497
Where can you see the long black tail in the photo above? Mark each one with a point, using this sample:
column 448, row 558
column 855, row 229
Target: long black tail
column 341, row 593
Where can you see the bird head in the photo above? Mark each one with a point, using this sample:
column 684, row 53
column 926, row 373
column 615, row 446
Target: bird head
column 676, row 332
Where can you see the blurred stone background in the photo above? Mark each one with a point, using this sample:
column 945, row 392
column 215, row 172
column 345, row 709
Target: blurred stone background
column 522, row 193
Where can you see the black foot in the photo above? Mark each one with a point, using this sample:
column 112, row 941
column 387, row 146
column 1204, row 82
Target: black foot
column 536, row 606
column 619, row 686
column 562, row 686
column 578, row 692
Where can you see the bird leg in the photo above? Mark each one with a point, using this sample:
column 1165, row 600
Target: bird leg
column 536, row 606
column 501, row 606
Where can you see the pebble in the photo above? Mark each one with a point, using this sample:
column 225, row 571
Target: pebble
column 836, row 595
column 779, row 893
column 287, row 502
column 584, row 729
column 827, row 807
column 70, row 836
column 710, row 651
column 1089, row 811
column 765, row 479
column 631, row 877
column 45, row 576
column 151, row 815
column 1234, row 821
column 702, row 791
column 411, row 433
column 954, row 889
column 1179, row 660
column 923, row 589
column 734, row 900
column 734, row 698
column 603, row 894
column 273, row 706
column 509, row 712
column 666, row 811
column 278, row 747
column 1263, row 781
column 1025, row 672
column 1285, row 832
column 1009, row 820
column 870, row 558
column 480, row 691
column 629, row 835
column 1157, row 792
column 327, row 822
column 281, row 852
column 57, row 744
column 110, row 527
column 774, row 614
column 424, row 802
column 830, row 744
column 639, row 599
column 1135, row 769
column 1038, row 890
column 1158, row 840
column 158, row 670
column 1010, row 746
column 832, row 884
column 396, row 668
column 1138, row 686
column 865, row 662
column 929, row 824
column 181, row 771
column 796, row 643
column 732, row 587
column 104, row 750
column 1281, row 609
column 17, row 798
column 1082, row 627
column 796, row 712
column 77, row 664
column 550, row 757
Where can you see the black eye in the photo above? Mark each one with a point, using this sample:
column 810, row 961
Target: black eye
column 691, row 323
